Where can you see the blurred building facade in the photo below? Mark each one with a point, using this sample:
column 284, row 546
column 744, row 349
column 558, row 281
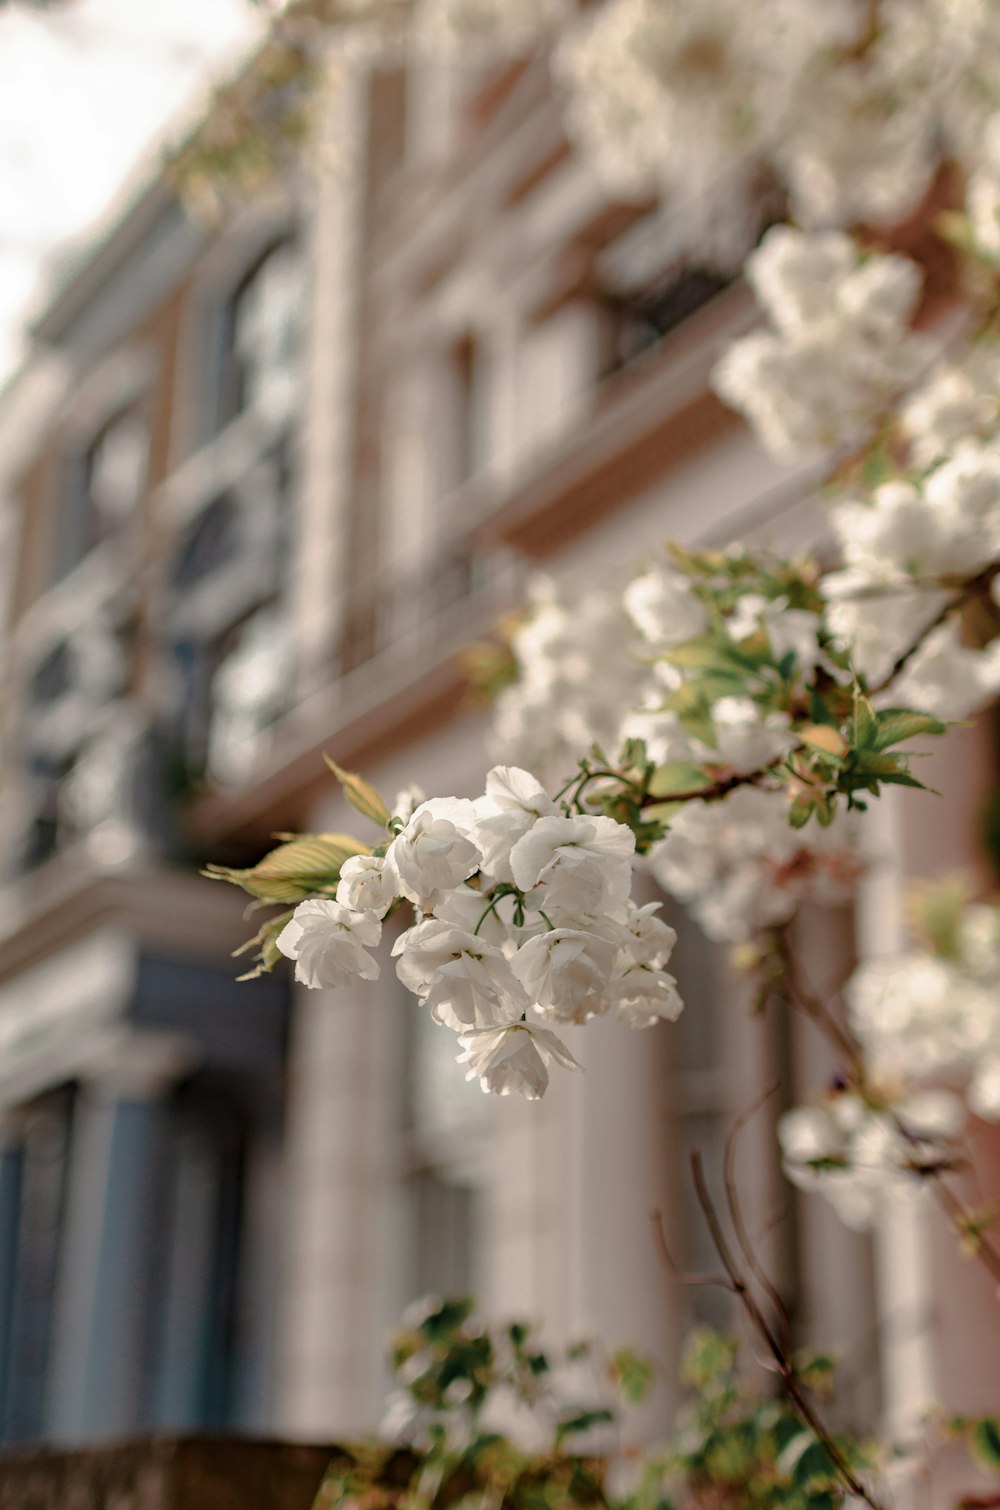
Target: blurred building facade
column 259, row 487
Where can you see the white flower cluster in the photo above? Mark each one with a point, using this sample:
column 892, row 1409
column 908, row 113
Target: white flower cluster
column 853, row 105
column 863, row 1157
column 926, row 1019
column 547, row 934
column 902, row 545
column 840, row 350
column 591, row 672
column 928, row 1027
column 736, row 862
column 580, row 670
column 513, row 24
column 741, row 867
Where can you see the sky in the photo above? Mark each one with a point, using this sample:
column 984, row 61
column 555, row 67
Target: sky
column 89, row 89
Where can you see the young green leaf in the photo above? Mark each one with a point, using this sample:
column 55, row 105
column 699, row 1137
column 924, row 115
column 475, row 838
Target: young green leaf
column 362, row 797
column 304, row 867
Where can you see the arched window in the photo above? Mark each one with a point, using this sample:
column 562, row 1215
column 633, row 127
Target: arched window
column 104, row 485
column 261, row 337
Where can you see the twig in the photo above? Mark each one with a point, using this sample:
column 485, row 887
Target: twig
column 739, row 1225
column 785, row 1367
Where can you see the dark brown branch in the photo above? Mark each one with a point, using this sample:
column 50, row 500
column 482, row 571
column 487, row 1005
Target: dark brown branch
column 743, row 1238
column 785, row 1366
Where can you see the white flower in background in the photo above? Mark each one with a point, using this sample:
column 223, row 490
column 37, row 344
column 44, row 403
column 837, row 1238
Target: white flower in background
column 513, row 1059
column 893, row 535
column 664, row 608
column 920, row 1017
column 863, row 1159
column 367, row 884
column 565, row 973
column 434, row 852
column 984, row 1091
column 789, row 630
column 659, row 727
column 581, row 668
column 928, row 1018
column 830, row 366
column 793, row 276
column 965, row 492
column 748, row 739
column 582, row 865
column 513, row 803
column 876, row 621
column 485, row 23
column 329, row 943
column 949, row 407
column 858, row 143
column 946, row 679
column 740, row 867
column 983, row 194
column 664, row 93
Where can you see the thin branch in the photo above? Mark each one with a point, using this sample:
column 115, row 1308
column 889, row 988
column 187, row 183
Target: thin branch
column 785, row 1367
column 739, row 1225
column 683, row 1277
column 973, row 588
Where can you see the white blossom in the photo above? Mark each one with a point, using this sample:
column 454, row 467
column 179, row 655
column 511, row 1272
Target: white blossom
column 513, row 1059
column 513, row 802
column 467, row 982
column 946, row 679
column 367, row 884
column 864, row 1158
column 582, row 864
column 329, row 943
column 509, row 24
column 949, row 407
column 830, row 365
column 747, row 739
column 664, row 608
column 566, row 972
column 739, row 865
column 983, row 196
column 434, row 851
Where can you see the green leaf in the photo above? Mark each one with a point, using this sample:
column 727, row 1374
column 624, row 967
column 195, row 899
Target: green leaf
column 986, row 1441
column 633, row 1374
column 265, row 941
column 897, row 724
column 582, row 1421
column 362, row 797
column 679, row 776
column 302, row 868
column 865, row 722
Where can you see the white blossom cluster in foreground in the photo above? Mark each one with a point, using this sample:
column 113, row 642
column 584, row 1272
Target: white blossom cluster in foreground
column 524, row 923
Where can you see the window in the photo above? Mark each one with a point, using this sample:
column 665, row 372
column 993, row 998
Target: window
column 248, row 692
column 261, row 338
column 445, row 1136
column 105, row 485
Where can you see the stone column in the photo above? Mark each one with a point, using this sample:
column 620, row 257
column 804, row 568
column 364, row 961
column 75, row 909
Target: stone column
column 102, row 1328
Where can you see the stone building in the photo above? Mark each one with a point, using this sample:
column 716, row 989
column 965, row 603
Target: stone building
column 259, row 486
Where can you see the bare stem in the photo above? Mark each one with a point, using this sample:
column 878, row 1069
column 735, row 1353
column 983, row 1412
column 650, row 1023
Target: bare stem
column 784, row 1364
